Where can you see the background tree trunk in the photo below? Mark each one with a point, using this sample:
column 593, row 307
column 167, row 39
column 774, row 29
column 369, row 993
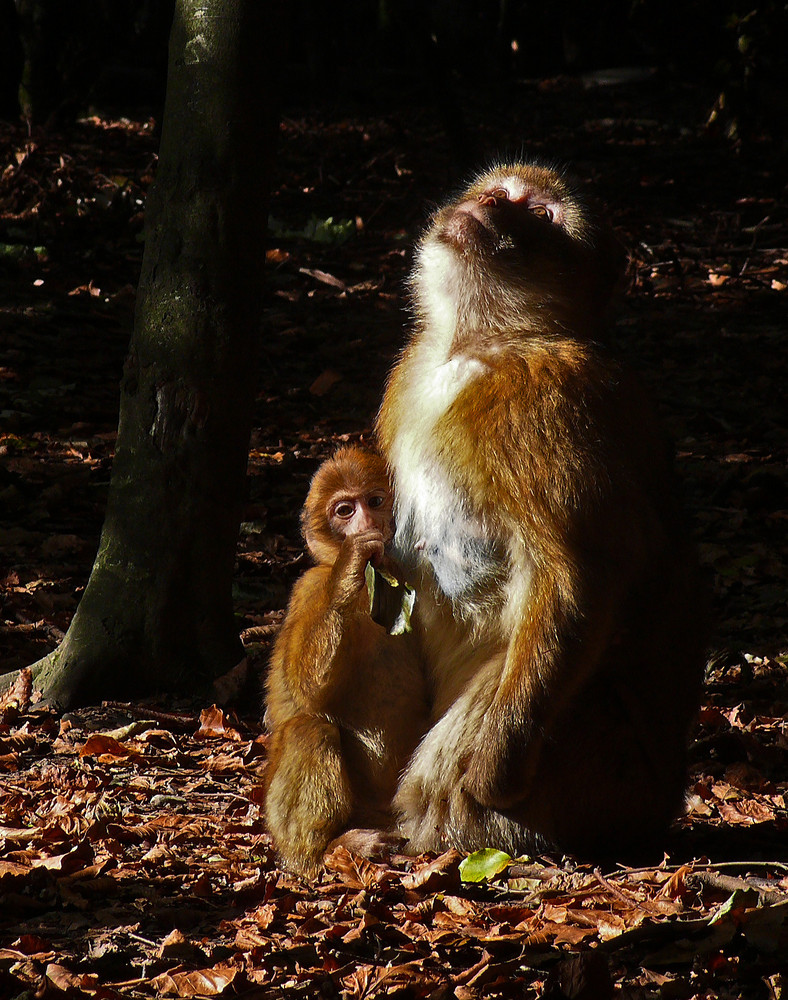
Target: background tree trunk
column 157, row 611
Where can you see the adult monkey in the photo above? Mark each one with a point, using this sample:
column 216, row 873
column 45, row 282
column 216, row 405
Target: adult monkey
column 557, row 597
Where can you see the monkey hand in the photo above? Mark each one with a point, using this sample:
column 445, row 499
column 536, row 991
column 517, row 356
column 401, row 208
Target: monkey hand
column 348, row 573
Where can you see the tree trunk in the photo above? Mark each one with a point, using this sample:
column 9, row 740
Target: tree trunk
column 157, row 611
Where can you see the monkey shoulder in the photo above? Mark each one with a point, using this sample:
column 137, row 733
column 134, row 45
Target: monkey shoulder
column 550, row 387
column 529, row 391
column 304, row 611
column 560, row 425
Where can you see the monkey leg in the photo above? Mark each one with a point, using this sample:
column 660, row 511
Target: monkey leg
column 435, row 811
column 309, row 798
column 607, row 782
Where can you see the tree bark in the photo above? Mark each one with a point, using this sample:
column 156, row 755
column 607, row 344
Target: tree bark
column 157, row 611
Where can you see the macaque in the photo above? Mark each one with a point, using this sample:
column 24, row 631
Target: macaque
column 346, row 700
column 558, row 611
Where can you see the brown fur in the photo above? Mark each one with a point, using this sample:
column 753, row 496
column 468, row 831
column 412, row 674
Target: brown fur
column 345, row 700
column 558, row 605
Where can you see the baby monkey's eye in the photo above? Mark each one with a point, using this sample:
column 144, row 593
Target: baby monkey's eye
column 376, row 501
column 541, row 212
column 344, row 509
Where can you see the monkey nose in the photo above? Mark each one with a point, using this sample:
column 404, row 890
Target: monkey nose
column 492, row 198
column 365, row 521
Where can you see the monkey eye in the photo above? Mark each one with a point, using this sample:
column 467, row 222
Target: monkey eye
column 376, row 501
column 541, row 212
column 344, row 509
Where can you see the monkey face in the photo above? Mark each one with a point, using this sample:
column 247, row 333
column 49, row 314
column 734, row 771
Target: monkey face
column 349, row 494
column 519, row 242
column 351, row 512
column 515, row 209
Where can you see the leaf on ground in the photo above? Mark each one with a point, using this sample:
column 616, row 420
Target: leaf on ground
column 481, row 866
column 198, row 983
column 355, row 871
column 437, row 875
column 67, row 981
column 15, row 700
column 69, row 862
column 325, row 382
column 214, row 723
column 107, row 749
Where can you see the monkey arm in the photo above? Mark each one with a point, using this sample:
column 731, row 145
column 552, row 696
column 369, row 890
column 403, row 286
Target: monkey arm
column 558, row 502
column 304, row 650
column 555, row 649
column 305, row 656
column 326, row 609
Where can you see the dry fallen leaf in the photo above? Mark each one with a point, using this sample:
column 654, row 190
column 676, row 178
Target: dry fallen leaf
column 433, row 876
column 214, row 723
column 107, row 749
column 356, row 872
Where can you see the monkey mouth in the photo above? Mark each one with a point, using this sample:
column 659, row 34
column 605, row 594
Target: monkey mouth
column 469, row 227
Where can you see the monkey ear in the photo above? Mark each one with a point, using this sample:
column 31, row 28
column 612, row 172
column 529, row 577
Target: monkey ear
column 323, row 547
column 321, row 544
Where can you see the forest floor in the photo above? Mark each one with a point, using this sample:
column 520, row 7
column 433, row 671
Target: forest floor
column 133, row 857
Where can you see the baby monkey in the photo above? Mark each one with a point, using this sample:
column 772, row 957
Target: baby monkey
column 346, row 700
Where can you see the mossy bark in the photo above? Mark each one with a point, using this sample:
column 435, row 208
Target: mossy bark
column 157, row 612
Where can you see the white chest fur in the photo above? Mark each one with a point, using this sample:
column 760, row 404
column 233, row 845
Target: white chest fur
column 434, row 521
